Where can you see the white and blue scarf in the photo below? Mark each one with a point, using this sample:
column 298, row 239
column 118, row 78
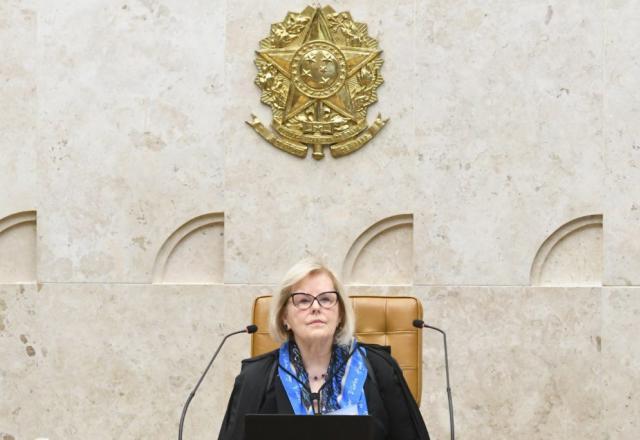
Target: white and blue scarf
column 344, row 385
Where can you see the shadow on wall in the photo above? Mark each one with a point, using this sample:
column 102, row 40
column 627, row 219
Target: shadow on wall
column 571, row 256
column 18, row 248
column 383, row 254
column 194, row 253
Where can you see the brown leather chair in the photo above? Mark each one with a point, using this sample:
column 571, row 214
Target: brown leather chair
column 383, row 320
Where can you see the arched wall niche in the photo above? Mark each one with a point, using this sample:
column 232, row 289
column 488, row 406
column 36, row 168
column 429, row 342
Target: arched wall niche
column 18, row 241
column 382, row 254
column 572, row 255
column 193, row 253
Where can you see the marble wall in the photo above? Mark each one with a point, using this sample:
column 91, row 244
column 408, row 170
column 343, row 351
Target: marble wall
column 139, row 215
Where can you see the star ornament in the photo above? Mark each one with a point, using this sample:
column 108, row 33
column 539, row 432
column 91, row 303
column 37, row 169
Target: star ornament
column 319, row 71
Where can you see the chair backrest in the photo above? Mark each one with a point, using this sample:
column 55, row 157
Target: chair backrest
column 383, row 320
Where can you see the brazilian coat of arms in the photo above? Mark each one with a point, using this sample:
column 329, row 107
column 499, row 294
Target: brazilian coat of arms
column 318, row 70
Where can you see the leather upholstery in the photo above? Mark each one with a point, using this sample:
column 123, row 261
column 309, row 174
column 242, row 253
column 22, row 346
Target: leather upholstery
column 383, row 320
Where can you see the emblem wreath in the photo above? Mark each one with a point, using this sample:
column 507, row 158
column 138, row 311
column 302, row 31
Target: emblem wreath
column 319, row 71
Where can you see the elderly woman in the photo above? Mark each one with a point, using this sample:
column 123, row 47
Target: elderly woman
column 320, row 368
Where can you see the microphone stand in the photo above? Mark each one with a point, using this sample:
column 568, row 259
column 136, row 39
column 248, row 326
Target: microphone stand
column 420, row 324
column 249, row 329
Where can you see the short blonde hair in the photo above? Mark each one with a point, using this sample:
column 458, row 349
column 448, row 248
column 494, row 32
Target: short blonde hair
column 300, row 270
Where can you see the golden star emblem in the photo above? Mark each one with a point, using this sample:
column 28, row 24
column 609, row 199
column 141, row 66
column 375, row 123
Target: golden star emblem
column 319, row 72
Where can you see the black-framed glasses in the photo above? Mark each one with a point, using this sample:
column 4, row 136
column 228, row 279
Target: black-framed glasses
column 303, row 301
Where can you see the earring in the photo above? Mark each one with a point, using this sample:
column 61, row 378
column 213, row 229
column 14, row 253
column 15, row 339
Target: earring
column 286, row 326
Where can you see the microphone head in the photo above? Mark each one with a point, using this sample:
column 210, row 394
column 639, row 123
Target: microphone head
column 252, row 328
column 418, row 323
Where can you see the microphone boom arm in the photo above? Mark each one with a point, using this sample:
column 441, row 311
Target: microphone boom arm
column 419, row 323
column 249, row 329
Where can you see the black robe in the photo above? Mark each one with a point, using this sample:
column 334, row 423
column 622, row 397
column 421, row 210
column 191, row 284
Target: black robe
column 258, row 390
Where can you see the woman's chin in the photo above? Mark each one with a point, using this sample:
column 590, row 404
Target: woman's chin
column 316, row 334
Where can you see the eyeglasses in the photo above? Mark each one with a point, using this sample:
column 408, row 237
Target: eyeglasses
column 304, row 301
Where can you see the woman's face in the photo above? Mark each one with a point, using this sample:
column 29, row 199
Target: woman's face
column 316, row 323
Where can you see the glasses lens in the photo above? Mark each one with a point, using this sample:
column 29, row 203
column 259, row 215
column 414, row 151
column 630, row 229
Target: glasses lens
column 327, row 299
column 302, row 300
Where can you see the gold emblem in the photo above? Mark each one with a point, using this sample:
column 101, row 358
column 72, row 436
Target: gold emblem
column 319, row 72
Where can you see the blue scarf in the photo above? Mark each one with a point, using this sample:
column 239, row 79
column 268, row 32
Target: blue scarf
column 343, row 388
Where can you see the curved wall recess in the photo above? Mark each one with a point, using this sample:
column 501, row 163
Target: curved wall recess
column 194, row 253
column 18, row 248
column 383, row 254
column 571, row 256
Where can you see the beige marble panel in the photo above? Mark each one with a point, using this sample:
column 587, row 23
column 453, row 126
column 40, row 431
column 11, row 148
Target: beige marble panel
column 572, row 255
column 280, row 208
column 386, row 259
column 18, row 253
column 194, row 253
column 525, row 362
column 380, row 289
column 621, row 362
column 18, row 101
column 576, row 260
column 130, row 116
column 22, row 358
column 622, row 113
column 117, row 361
column 509, row 128
column 199, row 258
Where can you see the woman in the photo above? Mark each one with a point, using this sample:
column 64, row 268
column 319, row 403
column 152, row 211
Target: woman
column 320, row 367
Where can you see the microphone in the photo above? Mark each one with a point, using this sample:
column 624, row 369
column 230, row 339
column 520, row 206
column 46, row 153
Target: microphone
column 249, row 329
column 419, row 323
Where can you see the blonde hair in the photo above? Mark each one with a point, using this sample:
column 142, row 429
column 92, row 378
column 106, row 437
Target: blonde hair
column 300, row 270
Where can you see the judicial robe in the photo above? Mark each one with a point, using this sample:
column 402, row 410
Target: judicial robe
column 258, row 390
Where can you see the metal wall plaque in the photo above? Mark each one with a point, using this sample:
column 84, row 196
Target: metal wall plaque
column 318, row 71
